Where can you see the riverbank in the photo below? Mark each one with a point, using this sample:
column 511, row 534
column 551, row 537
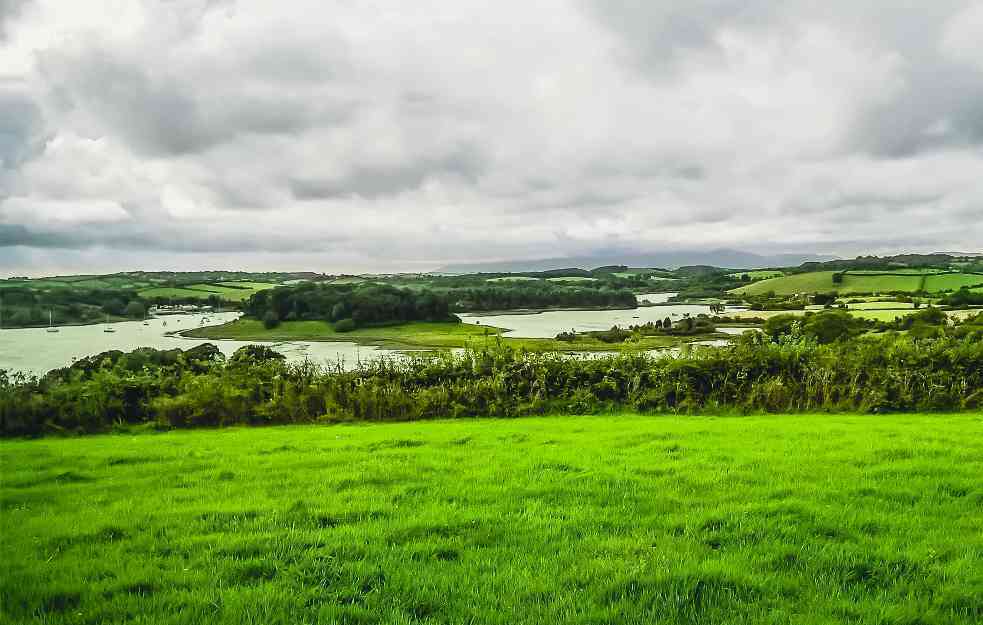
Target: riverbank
column 423, row 335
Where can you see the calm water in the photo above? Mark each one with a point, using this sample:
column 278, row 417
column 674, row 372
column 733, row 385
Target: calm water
column 549, row 324
column 34, row 350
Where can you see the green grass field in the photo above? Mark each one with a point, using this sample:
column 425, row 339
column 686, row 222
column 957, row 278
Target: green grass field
column 952, row 282
column 758, row 274
column 587, row 520
column 412, row 335
column 882, row 315
column 228, row 291
column 572, row 279
column 513, row 279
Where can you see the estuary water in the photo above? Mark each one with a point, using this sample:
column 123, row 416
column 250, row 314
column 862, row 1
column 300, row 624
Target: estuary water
column 550, row 323
column 37, row 351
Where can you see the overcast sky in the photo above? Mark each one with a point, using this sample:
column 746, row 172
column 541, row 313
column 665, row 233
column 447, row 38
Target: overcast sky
column 381, row 135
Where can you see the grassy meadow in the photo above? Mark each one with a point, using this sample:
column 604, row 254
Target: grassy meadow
column 616, row 519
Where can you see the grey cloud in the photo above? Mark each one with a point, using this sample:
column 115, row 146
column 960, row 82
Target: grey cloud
column 160, row 237
column 937, row 107
column 9, row 9
column 942, row 108
column 494, row 131
column 21, row 128
column 169, row 116
column 661, row 32
column 377, row 182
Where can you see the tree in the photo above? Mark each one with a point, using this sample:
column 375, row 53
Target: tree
column 271, row 319
column 344, row 325
column 135, row 309
column 779, row 325
column 114, row 306
column 254, row 354
column 831, row 326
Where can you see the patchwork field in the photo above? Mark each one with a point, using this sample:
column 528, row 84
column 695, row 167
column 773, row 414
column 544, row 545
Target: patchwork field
column 953, row 282
column 228, row 291
column 860, row 282
column 759, row 274
column 624, row 519
column 572, row 279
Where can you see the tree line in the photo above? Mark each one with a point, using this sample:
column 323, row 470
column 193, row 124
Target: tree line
column 25, row 307
column 538, row 295
column 347, row 305
column 353, row 305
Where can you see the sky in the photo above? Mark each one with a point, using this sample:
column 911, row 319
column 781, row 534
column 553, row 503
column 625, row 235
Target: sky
column 354, row 135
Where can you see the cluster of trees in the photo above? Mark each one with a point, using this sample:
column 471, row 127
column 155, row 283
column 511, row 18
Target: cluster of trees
column 936, row 261
column 830, row 326
column 348, row 305
column 704, row 283
column 687, row 326
column 794, row 374
column 964, row 297
column 520, row 295
column 352, row 305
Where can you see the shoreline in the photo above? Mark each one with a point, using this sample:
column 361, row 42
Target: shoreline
column 417, row 338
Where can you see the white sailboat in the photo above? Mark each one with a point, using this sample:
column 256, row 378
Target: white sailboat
column 108, row 328
column 51, row 327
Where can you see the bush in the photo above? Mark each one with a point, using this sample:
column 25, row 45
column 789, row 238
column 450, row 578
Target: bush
column 135, row 310
column 270, row 320
column 935, row 368
column 344, row 325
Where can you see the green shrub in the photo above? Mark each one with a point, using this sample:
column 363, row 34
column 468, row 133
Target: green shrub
column 344, row 325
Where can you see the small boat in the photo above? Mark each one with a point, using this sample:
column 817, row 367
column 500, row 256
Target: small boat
column 51, row 327
column 108, row 329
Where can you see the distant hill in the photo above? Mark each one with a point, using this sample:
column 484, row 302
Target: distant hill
column 730, row 259
column 939, row 260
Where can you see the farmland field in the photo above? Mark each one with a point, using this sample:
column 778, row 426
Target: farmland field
column 228, row 291
column 572, row 279
column 621, row 519
column 952, row 282
column 759, row 274
column 815, row 282
column 859, row 282
column 513, row 279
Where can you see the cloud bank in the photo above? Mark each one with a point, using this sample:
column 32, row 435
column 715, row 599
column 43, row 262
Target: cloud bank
column 374, row 135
